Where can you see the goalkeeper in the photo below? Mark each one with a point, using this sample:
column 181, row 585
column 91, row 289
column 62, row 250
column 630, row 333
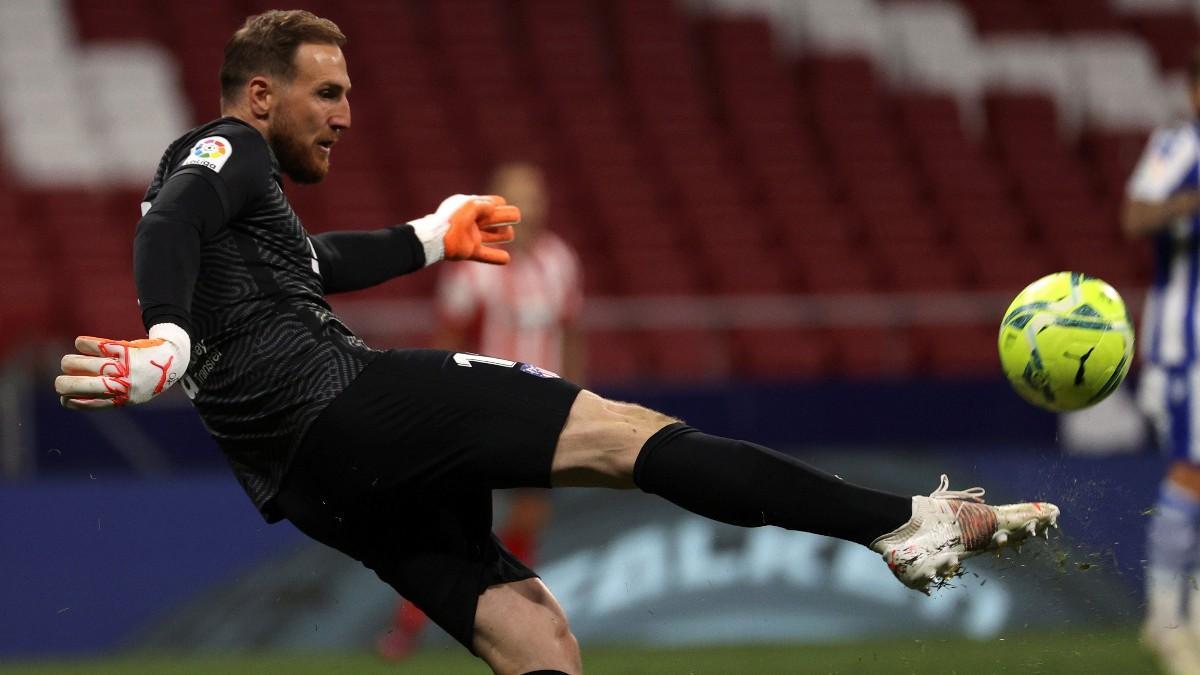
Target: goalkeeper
column 390, row 456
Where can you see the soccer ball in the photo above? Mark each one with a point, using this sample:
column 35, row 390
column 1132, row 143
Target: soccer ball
column 1066, row 341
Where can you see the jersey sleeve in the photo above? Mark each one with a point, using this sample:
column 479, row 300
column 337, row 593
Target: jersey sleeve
column 166, row 248
column 235, row 160
column 1169, row 158
column 216, row 179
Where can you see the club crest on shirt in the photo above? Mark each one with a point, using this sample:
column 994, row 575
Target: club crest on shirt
column 534, row 370
column 211, row 152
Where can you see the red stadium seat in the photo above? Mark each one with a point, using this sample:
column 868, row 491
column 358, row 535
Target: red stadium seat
column 746, row 271
column 866, row 351
column 1083, row 16
column 921, row 267
column 1010, row 270
column 687, row 355
column 960, row 351
column 656, row 273
column 1010, row 16
column 615, row 356
column 831, row 269
column 1172, row 34
column 781, row 354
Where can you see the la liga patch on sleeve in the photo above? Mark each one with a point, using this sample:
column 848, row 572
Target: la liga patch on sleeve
column 211, row 152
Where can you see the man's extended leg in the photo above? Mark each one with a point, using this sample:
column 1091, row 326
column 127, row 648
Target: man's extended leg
column 626, row 445
column 605, row 443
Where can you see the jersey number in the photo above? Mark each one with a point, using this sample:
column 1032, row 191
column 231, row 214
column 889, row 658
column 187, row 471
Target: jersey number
column 464, row 359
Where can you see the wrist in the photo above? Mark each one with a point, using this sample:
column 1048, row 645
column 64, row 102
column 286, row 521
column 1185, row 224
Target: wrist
column 431, row 229
column 179, row 340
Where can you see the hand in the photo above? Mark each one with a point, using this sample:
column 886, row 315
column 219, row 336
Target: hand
column 110, row 373
column 464, row 226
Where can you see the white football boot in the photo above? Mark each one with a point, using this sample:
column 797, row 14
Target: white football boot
column 950, row 526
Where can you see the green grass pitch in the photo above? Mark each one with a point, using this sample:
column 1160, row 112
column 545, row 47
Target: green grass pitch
column 1090, row 652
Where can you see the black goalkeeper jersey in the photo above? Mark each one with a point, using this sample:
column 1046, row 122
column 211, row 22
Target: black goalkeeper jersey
column 267, row 353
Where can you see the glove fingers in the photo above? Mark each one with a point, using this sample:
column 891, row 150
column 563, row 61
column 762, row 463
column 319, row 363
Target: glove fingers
column 472, row 211
column 502, row 215
column 492, row 256
column 86, row 403
column 78, row 386
column 496, row 199
column 497, row 235
column 86, row 344
column 77, row 364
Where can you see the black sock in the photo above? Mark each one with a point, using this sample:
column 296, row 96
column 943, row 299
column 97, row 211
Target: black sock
column 745, row 484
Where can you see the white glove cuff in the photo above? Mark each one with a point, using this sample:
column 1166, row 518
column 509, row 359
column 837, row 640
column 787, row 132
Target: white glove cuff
column 431, row 229
column 181, row 341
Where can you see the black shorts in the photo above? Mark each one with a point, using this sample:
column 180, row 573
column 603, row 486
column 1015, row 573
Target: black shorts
column 398, row 470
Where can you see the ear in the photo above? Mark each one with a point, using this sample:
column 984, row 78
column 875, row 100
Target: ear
column 260, row 94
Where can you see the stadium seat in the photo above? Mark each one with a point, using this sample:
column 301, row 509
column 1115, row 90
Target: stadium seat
column 687, row 355
column 781, row 354
column 866, row 352
column 1120, row 82
column 921, row 267
column 1082, row 16
column 1010, row 270
column 613, row 357
column 932, row 47
column 1012, row 16
column 746, row 271
column 959, row 351
column 832, row 269
column 1172, row 34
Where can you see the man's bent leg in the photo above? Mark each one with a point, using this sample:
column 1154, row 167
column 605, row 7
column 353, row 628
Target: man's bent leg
column 520, row 628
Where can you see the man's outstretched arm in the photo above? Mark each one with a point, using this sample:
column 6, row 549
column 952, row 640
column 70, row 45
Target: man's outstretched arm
column 110, row 372
column 464, row 227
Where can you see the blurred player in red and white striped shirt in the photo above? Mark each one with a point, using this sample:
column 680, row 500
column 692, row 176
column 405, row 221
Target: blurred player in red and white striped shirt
column 526, row 311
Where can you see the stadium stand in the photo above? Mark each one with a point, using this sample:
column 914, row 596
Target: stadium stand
column 721, row 147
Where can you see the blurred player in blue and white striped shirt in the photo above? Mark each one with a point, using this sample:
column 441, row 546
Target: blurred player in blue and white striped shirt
column 1163, row 202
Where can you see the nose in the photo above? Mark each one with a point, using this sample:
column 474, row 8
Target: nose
column 340, row 120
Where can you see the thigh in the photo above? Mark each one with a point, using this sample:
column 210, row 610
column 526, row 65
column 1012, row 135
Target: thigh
column 431, row 419
column 600, row 442
column 436, row 550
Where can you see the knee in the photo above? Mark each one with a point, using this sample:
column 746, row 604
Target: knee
column 568, row 646
column 558, row 646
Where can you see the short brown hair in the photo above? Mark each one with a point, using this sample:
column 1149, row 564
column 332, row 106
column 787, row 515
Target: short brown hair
column 266, row 45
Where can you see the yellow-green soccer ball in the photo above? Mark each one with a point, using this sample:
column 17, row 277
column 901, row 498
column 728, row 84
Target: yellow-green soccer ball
column 1066, row 342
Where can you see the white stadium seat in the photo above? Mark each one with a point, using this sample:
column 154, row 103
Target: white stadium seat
column 838, row 26
column 114, row 107
column 1121, row 87
column 932, row 47
column 1134, row 6
column 1035, row 64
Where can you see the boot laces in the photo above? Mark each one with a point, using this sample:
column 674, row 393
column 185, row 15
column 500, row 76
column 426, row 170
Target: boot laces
column 943, row 491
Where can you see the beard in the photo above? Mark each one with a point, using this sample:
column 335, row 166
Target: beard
column 296, row 158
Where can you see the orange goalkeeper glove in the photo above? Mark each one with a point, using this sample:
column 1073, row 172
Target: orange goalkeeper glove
column 464, row 227
column 112, row 373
